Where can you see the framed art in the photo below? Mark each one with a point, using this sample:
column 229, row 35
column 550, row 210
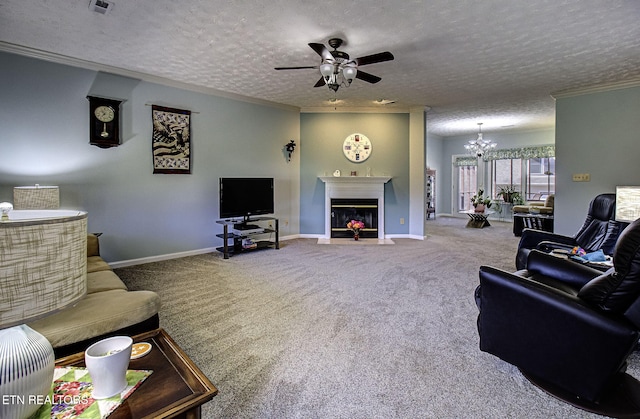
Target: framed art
column 171, row 144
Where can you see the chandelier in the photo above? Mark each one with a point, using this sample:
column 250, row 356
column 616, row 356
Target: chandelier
column 339, row 73
column 479, row 145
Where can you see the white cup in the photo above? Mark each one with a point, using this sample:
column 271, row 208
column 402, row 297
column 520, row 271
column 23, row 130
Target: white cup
column 107, row 362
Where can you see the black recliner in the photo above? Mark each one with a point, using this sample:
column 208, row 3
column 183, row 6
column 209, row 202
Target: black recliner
column 600, row 230
column 568, row 328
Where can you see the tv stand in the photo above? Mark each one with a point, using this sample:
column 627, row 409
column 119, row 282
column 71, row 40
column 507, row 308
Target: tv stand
column 248, row 237
column 245, row 226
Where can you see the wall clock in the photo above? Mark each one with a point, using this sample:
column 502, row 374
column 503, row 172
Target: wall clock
column 357, row 147
column 104, row 121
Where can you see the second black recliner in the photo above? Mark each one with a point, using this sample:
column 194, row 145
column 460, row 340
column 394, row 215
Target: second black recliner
column 600, row 230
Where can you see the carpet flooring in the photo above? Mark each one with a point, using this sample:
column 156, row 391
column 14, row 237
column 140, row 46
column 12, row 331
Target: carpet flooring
column 347, row 331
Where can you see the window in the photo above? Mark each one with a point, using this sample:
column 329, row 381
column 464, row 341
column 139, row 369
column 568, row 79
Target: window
column 466, row 170
column 506, row 173
column 541, row 178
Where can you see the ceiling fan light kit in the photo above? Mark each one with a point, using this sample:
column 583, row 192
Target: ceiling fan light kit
column 349, row 73
column 337, row 69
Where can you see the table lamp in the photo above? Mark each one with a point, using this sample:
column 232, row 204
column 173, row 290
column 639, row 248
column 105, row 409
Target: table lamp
column 43, row 269
column 36, row 197
column 627, row 203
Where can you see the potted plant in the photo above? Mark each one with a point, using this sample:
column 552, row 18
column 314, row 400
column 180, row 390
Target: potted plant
column 517, row 198
column 509, row 194
column 480, row 202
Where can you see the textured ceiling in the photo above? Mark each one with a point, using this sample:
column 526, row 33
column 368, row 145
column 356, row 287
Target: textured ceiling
column 469, row 61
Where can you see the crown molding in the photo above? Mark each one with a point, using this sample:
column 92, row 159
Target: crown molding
column 338, row 109
column 90, row 65
column 605, row 87
column 365, row 109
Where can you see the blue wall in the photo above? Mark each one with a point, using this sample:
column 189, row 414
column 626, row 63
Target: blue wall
column 597, row 133
column 321, row 154
column 44, row 139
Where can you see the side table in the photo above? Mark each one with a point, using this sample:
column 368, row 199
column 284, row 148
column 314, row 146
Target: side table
column 176, row 389
column 478, row 219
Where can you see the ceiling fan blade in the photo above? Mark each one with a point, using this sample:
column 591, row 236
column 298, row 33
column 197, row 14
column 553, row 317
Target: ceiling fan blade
column 320, row 82
column 374, row 58
column 369, row 78
column 321, row 50
column 296, row 68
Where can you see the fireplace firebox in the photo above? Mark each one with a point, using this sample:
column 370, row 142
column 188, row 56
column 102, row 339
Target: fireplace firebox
column 345, row 210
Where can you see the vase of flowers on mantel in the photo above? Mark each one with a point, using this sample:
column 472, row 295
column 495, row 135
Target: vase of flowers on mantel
column 355, row 226
column 480, row 202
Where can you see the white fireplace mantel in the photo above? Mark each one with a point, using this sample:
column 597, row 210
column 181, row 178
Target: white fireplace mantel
column 359, row 187
column 356, row 179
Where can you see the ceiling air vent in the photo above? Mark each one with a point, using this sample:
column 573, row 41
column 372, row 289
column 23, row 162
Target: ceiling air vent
column 100, row 6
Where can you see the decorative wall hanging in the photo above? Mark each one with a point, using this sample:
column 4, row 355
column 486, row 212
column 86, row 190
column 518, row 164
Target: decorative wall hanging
column 171, row 140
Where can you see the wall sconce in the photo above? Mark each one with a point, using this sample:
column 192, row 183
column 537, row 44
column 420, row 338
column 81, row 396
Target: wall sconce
column 290, row 147
column 627, row 203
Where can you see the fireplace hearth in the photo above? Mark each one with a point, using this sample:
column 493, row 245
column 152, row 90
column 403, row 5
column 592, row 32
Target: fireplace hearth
column 345, row 210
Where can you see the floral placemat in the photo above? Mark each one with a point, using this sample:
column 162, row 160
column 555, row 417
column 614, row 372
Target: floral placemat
column 70, row 395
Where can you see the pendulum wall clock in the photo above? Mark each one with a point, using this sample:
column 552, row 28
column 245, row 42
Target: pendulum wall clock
column 104, row 122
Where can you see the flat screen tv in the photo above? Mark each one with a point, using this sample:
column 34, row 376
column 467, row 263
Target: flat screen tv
column 244, row 197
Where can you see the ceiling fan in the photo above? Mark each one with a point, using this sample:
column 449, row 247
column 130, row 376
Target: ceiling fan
column 338, row 69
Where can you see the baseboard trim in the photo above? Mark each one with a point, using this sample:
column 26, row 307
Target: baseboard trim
column 159, row 258
column 404, row 236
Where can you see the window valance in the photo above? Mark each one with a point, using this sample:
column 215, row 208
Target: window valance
column 523, row 153
column 465, row 161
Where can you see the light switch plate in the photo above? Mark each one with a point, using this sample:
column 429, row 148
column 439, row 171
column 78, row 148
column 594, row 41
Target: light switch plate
column 581, row 177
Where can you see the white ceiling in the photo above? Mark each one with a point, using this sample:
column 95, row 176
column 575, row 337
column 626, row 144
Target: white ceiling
column 470, row 61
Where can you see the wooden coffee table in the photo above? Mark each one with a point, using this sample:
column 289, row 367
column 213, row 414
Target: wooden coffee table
column 176, row 389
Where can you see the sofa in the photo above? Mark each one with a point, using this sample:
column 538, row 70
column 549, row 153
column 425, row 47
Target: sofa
column 526, row 216
column 536, row 207
column 109, row 308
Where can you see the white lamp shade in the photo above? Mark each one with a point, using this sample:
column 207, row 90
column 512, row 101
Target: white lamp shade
column 43, row 263
column 326, row 69
column 627, row 203
column 36, row 197
column 350, row 73
column 43, row 269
